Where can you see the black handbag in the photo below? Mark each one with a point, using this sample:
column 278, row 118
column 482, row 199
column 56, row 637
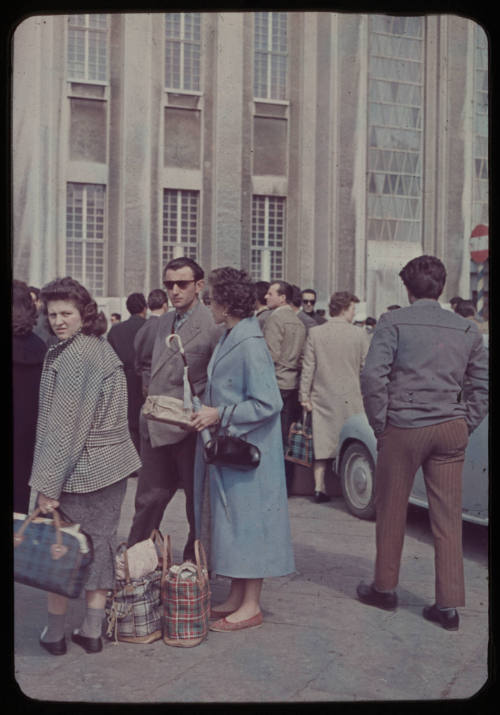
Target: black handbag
column 225, row 450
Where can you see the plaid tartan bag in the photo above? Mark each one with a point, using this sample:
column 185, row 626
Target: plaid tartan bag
column 51, row 555
column 134, row 608
column 300, row 441
column 186, row 599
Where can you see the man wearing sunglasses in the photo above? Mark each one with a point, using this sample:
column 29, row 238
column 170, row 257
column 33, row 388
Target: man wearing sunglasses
column 308, row 303
column 167, row 451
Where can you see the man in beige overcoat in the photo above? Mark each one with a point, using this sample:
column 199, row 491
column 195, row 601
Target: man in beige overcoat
column 329, row 386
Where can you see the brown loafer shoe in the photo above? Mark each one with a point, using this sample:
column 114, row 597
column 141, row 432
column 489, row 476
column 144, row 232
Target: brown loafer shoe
column 447, row 619
column 224, row 625
column 54, row 648
column 367, row 594
column 90, row 645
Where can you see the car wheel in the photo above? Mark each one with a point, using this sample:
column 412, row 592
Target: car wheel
column 357, row 479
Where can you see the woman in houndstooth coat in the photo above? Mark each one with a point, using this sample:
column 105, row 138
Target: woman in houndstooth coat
column 83, row 450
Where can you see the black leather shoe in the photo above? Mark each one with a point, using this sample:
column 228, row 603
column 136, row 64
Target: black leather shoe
column 91, row 645
column 320, row 497
column 367, row 594
column 55, row 648
column 447, row 619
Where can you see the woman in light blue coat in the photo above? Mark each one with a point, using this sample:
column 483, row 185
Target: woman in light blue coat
column 250, row 529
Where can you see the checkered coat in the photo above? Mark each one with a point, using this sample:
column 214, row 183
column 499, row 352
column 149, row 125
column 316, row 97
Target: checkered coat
column 83, row 443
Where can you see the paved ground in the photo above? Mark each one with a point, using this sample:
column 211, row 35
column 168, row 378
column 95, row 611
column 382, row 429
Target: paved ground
column 318, row 642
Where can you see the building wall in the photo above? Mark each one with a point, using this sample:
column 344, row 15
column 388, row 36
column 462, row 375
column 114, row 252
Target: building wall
column 137, row 139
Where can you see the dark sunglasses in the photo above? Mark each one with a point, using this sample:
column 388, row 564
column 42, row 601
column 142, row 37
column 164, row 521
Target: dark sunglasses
column 181, row 284
column 309, row 302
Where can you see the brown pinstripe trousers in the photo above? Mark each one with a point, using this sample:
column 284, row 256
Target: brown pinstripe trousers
column 439, row 449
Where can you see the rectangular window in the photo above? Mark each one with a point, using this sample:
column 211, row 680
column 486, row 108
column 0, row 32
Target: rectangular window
column 180, row 224
column 182, row 50
column 87, row 49
column 270, row 55
column 395, row 128
column 268, row 238
column 85, row 235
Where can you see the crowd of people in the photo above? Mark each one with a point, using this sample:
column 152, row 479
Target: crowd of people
column 260, row 355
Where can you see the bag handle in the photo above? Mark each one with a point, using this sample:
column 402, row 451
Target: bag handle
column 200, row 556
column 56, row 550
column 122, row 551
column 167, row 556
column 155, row 536
column 201, row 560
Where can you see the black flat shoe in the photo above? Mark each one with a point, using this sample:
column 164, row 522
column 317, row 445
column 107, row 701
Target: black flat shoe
column 320, row 497
column 55, row 648
column 386, row 601
column 91, row 645
column 447, row 619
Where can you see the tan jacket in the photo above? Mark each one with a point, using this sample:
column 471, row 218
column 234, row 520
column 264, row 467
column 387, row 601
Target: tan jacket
column 285, row 336
column 333, row 357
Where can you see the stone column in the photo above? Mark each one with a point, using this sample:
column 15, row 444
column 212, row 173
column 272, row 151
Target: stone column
column 227, row 170
column 136, row 152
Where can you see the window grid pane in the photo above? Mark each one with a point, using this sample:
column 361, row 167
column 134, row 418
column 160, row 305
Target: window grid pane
column 182, row 50
column 268, row 237
column 85, row 205
column 270, row 55
column 87, row 47
column 180, row 224
column 395, row 128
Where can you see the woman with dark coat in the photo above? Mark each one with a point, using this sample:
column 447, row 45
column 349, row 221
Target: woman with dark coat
column 28, row 352
column 249, row 524
column 83, row 451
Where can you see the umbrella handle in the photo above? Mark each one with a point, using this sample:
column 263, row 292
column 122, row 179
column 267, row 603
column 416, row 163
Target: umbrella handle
column 169, row 338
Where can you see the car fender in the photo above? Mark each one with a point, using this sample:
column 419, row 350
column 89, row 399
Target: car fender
column 357, row 428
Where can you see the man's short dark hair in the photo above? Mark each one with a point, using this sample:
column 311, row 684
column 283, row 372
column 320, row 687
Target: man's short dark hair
column 370, row 321
column 297, row 296
column 182, row 262
column 285, row 289
column 310, row 290
column 118, row 316
column 136, row 302
column 455, row 301
column 261, row 288
column 465, row 308
column 424, row 277
column 157, row 299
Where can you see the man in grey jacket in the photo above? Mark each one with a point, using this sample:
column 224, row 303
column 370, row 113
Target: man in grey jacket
column 413, row 380
column 285, row 336
column 167, row 451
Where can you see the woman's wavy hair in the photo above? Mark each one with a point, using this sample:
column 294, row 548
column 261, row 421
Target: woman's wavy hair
column 234, row 290
column 94, row 322
column 340, row 301
column 24, row 313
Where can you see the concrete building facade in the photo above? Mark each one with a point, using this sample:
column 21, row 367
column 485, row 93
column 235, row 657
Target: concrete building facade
column 327, row 149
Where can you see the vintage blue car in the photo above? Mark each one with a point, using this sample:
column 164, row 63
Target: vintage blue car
column 356, row 466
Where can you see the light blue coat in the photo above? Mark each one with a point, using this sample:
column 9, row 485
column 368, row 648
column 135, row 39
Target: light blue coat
column 250, row 535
